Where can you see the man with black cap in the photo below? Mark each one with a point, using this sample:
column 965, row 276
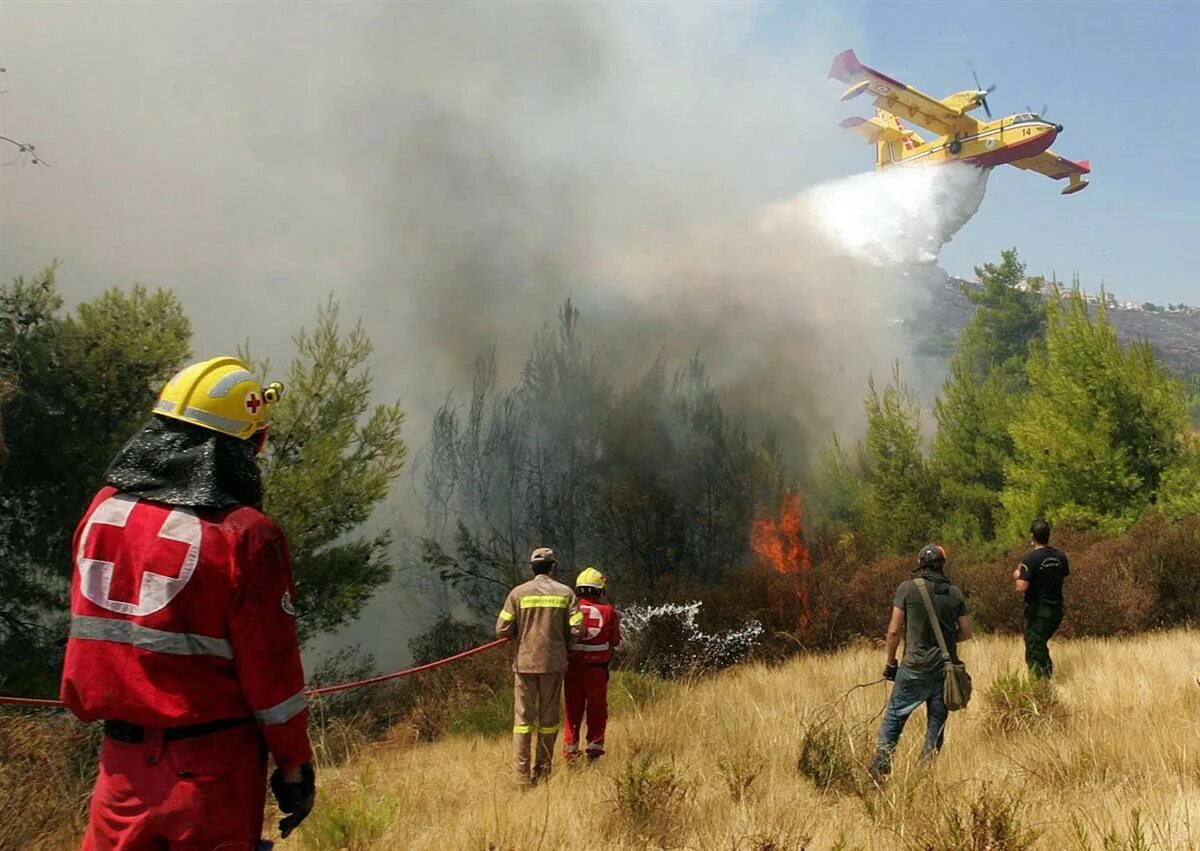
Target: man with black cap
column 542, row 617
column 183, row 635
column 920, row 676
column 1040, row 577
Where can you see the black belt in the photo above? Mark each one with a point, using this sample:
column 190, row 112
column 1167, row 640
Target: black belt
column 133, row 734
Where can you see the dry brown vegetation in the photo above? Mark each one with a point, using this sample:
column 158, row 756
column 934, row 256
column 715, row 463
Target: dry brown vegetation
column 1108, row 758
column 47, row 765
column 714, row 765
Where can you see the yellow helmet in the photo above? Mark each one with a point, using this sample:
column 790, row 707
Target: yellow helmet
column 220, row 394
column 589, row 577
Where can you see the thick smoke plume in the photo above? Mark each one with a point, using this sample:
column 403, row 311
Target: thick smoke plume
column 794, row 305
column 453, row 173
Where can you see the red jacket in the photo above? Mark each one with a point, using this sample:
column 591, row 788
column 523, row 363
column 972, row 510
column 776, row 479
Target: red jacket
column 601, row 634
column 185, row 617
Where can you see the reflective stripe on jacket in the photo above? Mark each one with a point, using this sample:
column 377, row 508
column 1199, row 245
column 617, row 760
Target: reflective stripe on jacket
column 182, row 617
column 543, row 618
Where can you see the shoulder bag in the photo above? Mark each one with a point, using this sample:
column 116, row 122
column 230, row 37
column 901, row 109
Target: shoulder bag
column 957, row 692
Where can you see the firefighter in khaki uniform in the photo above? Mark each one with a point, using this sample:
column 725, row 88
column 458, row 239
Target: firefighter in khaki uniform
column 543, row 618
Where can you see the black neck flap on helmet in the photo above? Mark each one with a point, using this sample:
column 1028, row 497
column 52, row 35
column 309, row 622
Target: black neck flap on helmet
column 177, row 463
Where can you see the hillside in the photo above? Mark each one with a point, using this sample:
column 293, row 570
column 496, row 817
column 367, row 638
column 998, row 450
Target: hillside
column 1174, row 336
column 1119, row 760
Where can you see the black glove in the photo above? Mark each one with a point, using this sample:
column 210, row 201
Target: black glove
column 295, row 799
column 889, row 671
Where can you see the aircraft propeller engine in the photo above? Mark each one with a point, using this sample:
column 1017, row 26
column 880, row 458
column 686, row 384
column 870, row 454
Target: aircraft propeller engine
column 983, row 97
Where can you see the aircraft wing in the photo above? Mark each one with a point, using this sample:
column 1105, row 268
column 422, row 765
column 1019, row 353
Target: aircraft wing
column 1056, row 168
column 898, row 98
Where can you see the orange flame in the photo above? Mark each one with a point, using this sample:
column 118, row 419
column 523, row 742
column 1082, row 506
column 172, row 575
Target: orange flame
column 779, row 545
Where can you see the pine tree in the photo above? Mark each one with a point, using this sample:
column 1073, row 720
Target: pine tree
column 839, row 490
column 329, row 463
column 982, row 394
column 1101, row 426
column 902, row 503
column 81, row 384
column 1179, row 493
column 970, row 451
column 1008, row 319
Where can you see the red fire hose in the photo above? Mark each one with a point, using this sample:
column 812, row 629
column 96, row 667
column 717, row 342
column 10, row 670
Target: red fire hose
column 312, row 692
column 316, row 692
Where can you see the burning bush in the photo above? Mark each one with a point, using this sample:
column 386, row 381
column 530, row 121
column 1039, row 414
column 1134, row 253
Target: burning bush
column 779, row 545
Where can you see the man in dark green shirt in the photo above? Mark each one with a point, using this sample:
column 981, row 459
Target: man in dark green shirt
column 920, row 675
column 1040, row 577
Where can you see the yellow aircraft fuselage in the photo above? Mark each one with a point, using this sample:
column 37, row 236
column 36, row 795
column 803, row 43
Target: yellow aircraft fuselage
column 1022, row 140
column 998, row 142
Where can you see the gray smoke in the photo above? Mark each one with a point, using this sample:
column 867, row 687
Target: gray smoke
column 452, row 173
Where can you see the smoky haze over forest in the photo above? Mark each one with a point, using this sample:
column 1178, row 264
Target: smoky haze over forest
column 452, row 174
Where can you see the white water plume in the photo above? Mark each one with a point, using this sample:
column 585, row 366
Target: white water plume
column 793, row 305
column 888, row 218
column 666, row 641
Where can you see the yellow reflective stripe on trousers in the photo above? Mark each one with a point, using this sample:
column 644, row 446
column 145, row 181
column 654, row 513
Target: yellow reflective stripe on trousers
column 546, row 731
column 507, row 616
column 522, row 728
column 544, row 601
column 577, row 619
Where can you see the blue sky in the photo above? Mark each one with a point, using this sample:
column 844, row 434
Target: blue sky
column 167, row 121
column 1119, row 76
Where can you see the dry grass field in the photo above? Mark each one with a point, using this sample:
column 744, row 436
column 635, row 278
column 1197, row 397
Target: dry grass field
column 1109, row 759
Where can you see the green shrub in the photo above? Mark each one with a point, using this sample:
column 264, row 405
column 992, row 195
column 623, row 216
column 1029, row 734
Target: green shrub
column 628, row 691
column 828, row 760
column 1112, row 839
column 445, row 638
column 1018, row 702
column 650, row 796
column 739, row 775
column 352, row 821
column 492, row 716
column 993, row 821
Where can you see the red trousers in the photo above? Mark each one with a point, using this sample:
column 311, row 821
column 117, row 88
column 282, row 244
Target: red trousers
column 198, row 794
column 586, row 692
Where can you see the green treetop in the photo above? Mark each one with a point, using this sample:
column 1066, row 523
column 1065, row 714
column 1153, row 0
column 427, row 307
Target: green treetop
column 1101, row 426
column 982, row 394
column 329, row 463
column 901, row 501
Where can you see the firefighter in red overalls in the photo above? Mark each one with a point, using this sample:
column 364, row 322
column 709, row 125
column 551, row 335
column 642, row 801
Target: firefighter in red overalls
column 183, row 636
column 586, row 683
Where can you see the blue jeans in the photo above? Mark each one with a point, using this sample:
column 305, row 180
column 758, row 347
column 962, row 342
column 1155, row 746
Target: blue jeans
column 911, row 690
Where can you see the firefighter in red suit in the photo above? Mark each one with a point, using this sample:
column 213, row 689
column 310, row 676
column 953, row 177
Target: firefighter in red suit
column 183, row 636
column 589, row 660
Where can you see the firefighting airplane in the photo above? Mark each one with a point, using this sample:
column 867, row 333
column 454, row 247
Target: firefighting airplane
column 1022, row 140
